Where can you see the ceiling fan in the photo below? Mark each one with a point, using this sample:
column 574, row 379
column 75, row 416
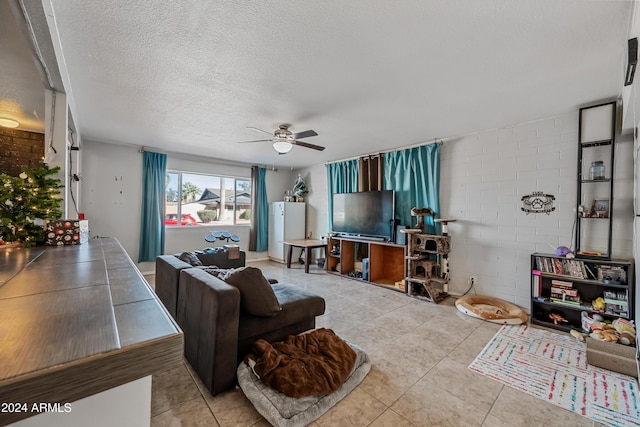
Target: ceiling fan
column 283, row 139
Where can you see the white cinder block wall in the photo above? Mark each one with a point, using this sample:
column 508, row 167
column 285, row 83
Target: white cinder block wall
column 483, row 178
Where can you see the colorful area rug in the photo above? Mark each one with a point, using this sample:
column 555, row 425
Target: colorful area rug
column 553, row 367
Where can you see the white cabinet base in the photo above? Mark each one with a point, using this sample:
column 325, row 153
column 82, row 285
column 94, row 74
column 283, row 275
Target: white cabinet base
column 125, row 405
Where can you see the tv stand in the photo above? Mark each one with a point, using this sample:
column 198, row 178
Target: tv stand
column 386, row 260
column 359, row 237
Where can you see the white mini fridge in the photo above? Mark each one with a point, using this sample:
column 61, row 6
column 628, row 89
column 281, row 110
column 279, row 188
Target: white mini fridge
column 286, row 222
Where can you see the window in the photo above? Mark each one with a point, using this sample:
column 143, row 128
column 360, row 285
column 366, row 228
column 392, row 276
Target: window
column 196, row 199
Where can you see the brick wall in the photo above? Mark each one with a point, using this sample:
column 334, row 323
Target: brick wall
column 20, row 148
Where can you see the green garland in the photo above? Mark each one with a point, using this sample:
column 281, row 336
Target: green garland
column 26, row 201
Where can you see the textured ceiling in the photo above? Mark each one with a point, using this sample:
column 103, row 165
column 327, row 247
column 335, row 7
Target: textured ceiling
column 367, row 76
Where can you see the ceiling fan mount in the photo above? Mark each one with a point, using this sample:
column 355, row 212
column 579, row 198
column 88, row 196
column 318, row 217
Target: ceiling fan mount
column 283, row 139
column 284, row 133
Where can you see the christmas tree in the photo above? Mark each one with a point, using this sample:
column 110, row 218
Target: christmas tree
column 26, row 201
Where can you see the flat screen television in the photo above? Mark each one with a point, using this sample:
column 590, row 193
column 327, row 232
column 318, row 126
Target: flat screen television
column 366, row 214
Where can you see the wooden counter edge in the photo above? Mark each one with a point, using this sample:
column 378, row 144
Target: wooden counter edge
column 85, row 377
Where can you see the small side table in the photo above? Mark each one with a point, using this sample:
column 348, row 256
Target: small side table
column 307, row 245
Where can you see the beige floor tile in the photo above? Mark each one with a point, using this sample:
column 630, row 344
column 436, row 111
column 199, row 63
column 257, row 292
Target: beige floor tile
column 391, row 419
column 492, row 421
column 193, row 413
column 473, row 344
column 462, row 382
column 420, row 352
column 387, row 381
column 358, row 408
column 172, row 388
column 232, row 408
column 431, row 338
column 516, row 408
column 262, row 423
column 338, row 321
column 427, row 405
column 416, row 354
column 451, row 322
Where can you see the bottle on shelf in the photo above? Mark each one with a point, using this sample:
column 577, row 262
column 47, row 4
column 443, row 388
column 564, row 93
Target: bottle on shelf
column 597, row 170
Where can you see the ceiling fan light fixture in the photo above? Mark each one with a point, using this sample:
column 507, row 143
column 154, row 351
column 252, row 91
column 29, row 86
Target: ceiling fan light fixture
column 282, row 147
column 9, row 123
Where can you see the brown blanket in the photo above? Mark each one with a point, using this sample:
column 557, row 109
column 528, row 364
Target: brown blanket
column 315, row 363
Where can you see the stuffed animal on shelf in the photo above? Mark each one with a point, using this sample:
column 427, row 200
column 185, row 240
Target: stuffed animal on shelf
column 557, row 318
column 598, row 304
column 626, row 331
column 580, row 336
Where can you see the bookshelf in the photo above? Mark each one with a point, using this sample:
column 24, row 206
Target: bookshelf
column 564, row 288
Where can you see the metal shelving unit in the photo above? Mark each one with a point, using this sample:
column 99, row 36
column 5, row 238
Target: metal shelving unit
column 597, row 137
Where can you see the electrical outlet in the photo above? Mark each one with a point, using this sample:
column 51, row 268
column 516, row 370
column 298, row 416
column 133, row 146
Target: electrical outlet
column 472, row 280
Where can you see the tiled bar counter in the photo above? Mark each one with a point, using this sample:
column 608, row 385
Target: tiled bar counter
column 79, row 321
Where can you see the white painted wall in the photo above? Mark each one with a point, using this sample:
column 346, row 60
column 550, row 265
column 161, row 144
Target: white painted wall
column 483, row 177
column 317, row 199
column 112, row 190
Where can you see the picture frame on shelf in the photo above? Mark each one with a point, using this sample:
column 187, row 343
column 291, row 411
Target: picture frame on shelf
column 600, row 208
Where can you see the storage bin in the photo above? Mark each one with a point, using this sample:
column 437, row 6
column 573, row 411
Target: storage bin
column 612, row 356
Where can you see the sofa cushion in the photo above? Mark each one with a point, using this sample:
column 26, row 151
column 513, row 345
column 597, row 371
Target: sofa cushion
column 256, row 294
column 297, row 305
column 190, row 258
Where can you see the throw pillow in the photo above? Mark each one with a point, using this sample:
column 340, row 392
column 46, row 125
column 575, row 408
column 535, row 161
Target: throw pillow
column 190, row 258
column 256, row 294
column 214, row 271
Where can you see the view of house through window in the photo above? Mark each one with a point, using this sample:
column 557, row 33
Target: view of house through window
column 196, row 199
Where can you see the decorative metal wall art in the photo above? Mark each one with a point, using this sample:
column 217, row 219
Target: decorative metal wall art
column 538, row 202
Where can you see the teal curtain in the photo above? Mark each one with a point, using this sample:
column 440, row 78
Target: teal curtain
column 259, row 232
column 414, row 174
column 154, row 171
column 262, row 210
column 342, row 177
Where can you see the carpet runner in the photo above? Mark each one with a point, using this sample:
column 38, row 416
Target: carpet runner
column 553, row 367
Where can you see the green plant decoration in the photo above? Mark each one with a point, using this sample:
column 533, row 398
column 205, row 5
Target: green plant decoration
column 26, row 201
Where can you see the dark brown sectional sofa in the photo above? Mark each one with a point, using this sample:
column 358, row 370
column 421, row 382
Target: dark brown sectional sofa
column 218, row 332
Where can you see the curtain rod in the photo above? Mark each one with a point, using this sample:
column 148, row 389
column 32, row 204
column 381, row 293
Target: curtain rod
column 419, row 144
column 194, row 157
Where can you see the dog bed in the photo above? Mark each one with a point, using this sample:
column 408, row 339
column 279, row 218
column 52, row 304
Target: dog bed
column 491, row 309
column 284, row 411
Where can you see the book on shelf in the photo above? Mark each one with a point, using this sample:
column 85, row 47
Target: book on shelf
column 612, row 294
column 621, row 303
column 565, row 301
column 537, row 285
column 565, row 296
column 568, row 267
column 557, row 266
column 562, row 283
column 564, row 291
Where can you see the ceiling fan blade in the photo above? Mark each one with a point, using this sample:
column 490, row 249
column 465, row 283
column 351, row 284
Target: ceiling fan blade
column 255, row 140
column 305, row 134
column 306, row 144
column 260, row 130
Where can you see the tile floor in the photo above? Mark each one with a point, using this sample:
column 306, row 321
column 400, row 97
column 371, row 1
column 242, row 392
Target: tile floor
column 419, row 377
